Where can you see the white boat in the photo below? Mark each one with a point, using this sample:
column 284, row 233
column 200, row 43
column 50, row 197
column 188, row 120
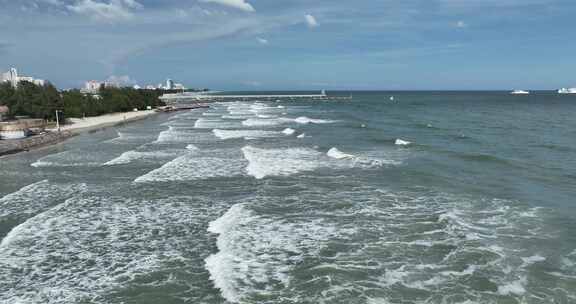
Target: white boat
column 567, row 91
column 519, row 92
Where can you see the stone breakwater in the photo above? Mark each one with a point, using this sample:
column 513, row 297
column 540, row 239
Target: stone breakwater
column 18, row 145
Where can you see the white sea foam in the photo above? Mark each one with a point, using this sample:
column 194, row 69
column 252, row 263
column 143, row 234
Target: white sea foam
column 204, row 123
column 266, row 116
column 533, row 259
column 37, row 197
column 211, row 114
column 258, row 122
column 274, row 162
column 173, row 135
column 240, row 113
column 361, row 161
column 124, row 137
column 513, row 288
column 193, row 166
column 306, row 120
column 231, row 134
column 289, row 131
column 87, row 248
column 237, row 117
column 256, row 254
column 130, row 156
column 400, row 142
column 335, row 153
column 70, row 158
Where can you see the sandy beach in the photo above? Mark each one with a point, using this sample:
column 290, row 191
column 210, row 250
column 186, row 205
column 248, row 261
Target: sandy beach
column 78, row 125
column 75, row 126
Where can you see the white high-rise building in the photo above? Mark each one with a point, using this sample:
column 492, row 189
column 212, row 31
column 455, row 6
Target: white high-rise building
column 169, row 84
column 91, row 87
column 12, row 77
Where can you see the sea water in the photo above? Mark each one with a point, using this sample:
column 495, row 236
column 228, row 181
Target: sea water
column 429, row 197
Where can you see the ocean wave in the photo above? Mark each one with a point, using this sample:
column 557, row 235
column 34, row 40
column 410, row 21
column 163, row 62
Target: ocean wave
column 401, row 142
column 256, row 254
column 87, row 250
column 288, row 131
column 306, row 120
column 361, row 161
column 232, row 134
column 130, row 156
column 70, row 158
column 278, row 162
column 194, row 166
column 204, row 123
column 260, row 122
column 35, row 198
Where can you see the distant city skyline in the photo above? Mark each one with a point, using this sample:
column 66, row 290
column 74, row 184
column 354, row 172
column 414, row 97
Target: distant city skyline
column 294, row 44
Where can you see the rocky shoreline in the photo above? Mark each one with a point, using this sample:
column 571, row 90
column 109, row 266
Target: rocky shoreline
column 14, row 146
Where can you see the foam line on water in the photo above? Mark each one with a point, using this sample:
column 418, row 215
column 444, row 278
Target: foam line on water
column 305, row 120
column 193, row 166
column 439, row 245
column 204, row 123
column 131, row 156
column 232, row 134
column 36, row 197
column 87, row 249
column 257, row 254
column 361, row 161
column 278, row 162
column 70, row 158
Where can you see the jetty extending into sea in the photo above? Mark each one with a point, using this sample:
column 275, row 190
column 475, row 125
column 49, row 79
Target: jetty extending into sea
column 207, row 97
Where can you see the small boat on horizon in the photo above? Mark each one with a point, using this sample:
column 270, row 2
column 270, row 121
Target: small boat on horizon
column 567, row 91
column 520, row 92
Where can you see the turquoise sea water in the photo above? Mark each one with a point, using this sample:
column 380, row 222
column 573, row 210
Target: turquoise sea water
column 303, row 202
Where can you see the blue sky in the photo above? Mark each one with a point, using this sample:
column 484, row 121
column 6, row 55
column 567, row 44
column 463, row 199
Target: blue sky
column 294, row 44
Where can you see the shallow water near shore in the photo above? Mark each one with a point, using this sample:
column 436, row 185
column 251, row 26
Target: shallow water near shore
column 302, row 202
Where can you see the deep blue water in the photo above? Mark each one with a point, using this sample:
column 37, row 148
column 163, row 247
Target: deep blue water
column 303, row 202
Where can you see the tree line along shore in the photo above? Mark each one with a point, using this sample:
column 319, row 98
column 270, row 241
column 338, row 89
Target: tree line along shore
column 35, row 101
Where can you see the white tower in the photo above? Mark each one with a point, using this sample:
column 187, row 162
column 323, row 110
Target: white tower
column 13, row 77
column 169, row 84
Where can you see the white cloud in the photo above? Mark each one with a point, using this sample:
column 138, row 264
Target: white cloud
column 262, row 40
column 53, row 2
column 105, row 11
column 123, row 80
column 461, row 24
column 311, row 20
column 238, row 4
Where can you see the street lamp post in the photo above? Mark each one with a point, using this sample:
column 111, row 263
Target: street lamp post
column 58, row 120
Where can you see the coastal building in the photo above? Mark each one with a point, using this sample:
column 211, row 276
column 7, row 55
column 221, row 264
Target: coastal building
column 179, row 86
column 91, row 87
column 169, row 84
column 14, row 79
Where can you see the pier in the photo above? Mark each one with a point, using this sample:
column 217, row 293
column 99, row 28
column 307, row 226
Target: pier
column 209, row 97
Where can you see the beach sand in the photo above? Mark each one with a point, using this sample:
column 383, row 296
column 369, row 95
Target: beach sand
column 90, row 123
column 75, row 126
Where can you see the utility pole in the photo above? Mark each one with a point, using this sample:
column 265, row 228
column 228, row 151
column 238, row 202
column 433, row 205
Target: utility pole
column 57, row 121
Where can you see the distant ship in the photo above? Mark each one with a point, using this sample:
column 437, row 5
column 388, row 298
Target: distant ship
column 519, row 92
column 567, row 91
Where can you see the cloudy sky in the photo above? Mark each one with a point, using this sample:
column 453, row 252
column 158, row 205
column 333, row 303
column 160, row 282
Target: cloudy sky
column 294, row 44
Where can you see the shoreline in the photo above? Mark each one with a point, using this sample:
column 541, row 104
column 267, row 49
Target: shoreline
column 79, row 126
